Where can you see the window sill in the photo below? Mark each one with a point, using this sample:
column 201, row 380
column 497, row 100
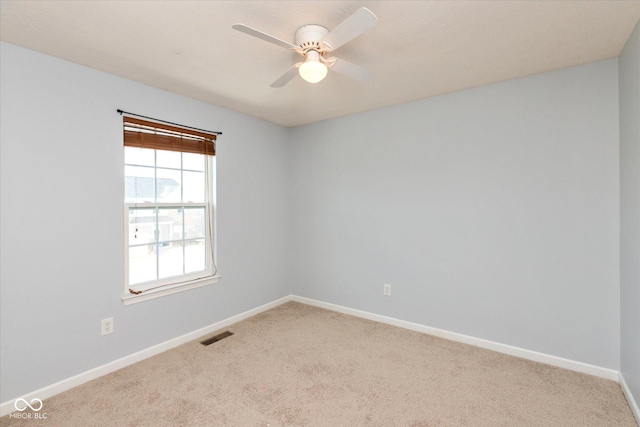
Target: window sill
column 130, row 298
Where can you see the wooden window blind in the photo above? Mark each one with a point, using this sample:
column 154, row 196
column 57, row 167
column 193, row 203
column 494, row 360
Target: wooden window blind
column 146, row 134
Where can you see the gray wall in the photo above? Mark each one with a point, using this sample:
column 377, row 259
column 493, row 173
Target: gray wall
column 62, row 220
column 492, row 212
column 629, row 63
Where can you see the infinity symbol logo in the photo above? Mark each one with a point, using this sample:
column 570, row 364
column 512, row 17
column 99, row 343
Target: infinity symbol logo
column 27, row 404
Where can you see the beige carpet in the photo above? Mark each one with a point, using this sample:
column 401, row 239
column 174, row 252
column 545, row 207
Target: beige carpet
column 299, row 365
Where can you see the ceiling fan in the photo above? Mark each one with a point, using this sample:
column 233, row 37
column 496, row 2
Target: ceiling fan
column 314, row 42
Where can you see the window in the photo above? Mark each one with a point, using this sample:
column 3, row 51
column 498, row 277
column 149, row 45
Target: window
column 169, row 199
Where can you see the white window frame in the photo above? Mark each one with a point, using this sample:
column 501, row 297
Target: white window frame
column 172, row 285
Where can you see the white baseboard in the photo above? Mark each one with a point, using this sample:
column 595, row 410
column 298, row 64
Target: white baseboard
column 632, row 402
column 478, row 342
column 66, row 384
column 76, row 380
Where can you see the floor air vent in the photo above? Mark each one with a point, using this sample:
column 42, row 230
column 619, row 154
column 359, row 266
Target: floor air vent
column 216, row 338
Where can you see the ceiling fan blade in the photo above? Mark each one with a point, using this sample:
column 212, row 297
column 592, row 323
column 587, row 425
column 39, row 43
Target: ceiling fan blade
column 287, row 77
column 350, row 28
column 259, row 34
column 348, row 69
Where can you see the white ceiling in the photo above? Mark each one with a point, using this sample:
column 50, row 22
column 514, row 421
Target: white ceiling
column 418, row 49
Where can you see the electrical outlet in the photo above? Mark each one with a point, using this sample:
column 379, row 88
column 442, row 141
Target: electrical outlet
column 107, row 326
column 386, row 290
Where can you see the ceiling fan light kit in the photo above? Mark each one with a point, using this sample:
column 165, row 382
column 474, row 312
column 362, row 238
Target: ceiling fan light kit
column 313, row 42
column 312, row 70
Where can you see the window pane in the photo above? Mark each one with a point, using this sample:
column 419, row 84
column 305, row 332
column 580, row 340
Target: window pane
column 169, row 224
column 142, row 264
column 142, row 226
column 139, row 184
column 139, row 156
column 165, row 242
column 194, row 223
column 171, row 259
column 193, row 185
column 168, row 159
column 193, row 161
column 168, row 186
column 194, row 257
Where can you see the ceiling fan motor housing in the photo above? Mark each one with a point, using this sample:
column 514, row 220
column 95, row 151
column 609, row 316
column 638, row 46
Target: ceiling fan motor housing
column 308, row 37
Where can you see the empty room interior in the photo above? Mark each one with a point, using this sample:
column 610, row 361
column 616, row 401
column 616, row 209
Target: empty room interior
column 416, row 213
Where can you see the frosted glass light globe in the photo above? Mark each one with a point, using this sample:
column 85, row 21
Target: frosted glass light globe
column 312, row 70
